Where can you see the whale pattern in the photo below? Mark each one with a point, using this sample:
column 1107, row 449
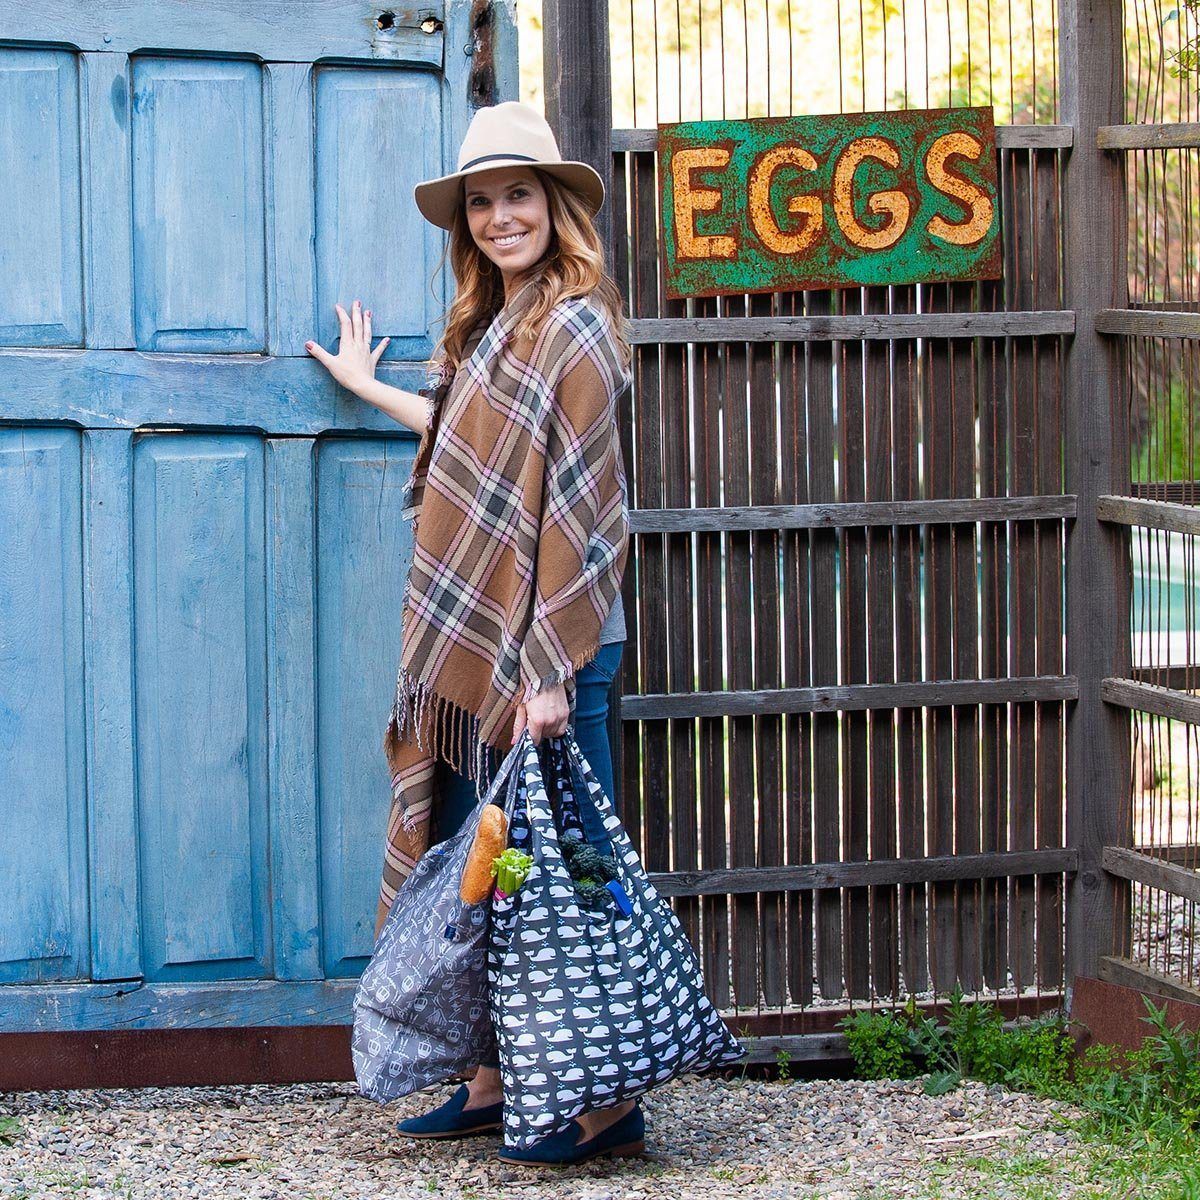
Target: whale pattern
column 616, row 1003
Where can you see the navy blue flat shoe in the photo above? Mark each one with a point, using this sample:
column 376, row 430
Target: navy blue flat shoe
column 450, row 1121
column 622, row 1139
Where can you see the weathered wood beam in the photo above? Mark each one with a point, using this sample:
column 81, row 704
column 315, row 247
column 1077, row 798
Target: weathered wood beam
column 884, row 871
column 1008, row 137
column 28, row 1009
column 796, row 1047
column 1154, row 872
column 856, row 327
column 1097, row 462
column 1181, row 677
column 1185, row 853
column 1113, row 969
column 1142, row 322
column 576, row 80
column 853, row 697
column 332, row 29
column 852, row 515
column 1149, row 514
column 118, row 389
column 1176, row 135
column 1150, row 698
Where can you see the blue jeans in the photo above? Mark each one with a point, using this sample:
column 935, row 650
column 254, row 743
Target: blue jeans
column 456, row 793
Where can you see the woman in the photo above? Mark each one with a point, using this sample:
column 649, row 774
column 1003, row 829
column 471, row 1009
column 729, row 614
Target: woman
column 512, row 615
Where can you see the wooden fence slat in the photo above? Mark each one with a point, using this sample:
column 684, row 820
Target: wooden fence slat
column 993, row 616
column 872, row 872
column 1150, row 698
column 1140, row 322
column 1115, row 969
column 909, row 722
column 856, row 918
column 654, row 629
column 797, row 661
column 853, row 326
column 822, row 623
column 963, row 381
column 1050, row 137
column 737, row 607
column 1175, row 135
column 1048, row 539
column 714, row 912
column 1150, row 514
column 881, row 587
column 939, row 648
column 1152, row 871
column 631, row 775
column 851, row 697
column 845, row 514
column 768, row 751
column 1097, row 460
column 1023, row 579
column 681, row 600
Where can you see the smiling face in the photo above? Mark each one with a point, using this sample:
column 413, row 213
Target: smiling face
column 509, row 218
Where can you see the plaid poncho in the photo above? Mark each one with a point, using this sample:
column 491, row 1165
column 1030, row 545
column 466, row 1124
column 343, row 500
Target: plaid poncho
column 521, row 532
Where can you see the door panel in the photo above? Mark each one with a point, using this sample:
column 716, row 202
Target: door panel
column 379, row 132
column 363, row 555
column 41, row 302
column 199, row 604
column 43, row 849
column 198, row 251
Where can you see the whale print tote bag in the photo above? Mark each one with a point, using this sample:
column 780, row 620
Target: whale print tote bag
column 592, row 1003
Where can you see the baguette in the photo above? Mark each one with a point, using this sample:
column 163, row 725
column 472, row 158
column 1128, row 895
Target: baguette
column 489, row 843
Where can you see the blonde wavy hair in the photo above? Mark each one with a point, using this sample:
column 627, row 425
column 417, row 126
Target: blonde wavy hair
column 572, row 266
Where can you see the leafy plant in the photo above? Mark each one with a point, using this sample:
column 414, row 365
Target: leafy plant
column 882, row 1046
column 783, row 1064
column 1147, row 1099
column 973, row 1042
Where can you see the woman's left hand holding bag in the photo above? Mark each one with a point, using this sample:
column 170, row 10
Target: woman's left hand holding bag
column 546, row 714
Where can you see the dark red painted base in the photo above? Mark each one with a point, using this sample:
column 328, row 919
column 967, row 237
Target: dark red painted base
column 174, row 1057
column 1113, row 1014
column 294, row 1054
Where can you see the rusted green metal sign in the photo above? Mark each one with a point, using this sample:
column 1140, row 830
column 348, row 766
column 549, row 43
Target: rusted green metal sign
column 769, row 205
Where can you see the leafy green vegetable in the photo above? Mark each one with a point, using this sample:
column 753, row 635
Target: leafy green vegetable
column 589, row 869
column 510, row 869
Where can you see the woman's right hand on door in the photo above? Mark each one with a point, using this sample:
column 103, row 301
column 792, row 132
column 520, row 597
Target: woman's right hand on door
column 354, row 364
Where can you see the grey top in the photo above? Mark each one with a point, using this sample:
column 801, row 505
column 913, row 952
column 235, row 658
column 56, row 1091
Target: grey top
column 613, row 629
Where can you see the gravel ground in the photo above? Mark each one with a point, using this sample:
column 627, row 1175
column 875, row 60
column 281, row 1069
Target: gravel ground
column 706, row 1137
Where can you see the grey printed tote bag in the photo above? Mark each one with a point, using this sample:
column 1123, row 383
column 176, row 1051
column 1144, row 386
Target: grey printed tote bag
column 591, row 1004
column 421, row 1006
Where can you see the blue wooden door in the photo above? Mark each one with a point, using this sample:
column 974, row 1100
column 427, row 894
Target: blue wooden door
column 201, row 553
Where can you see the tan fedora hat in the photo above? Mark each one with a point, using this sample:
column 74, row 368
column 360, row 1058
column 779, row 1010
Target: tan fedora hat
column 506, row 135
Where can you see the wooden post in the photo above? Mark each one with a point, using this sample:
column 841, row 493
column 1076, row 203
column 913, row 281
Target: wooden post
column 577, row 81
column 576, row 77
column 1097, row 460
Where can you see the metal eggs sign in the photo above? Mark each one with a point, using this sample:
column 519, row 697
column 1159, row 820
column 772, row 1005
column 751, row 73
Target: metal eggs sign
column 769, row 205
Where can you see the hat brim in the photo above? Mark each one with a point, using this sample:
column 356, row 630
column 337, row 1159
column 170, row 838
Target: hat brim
column 439, row 199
